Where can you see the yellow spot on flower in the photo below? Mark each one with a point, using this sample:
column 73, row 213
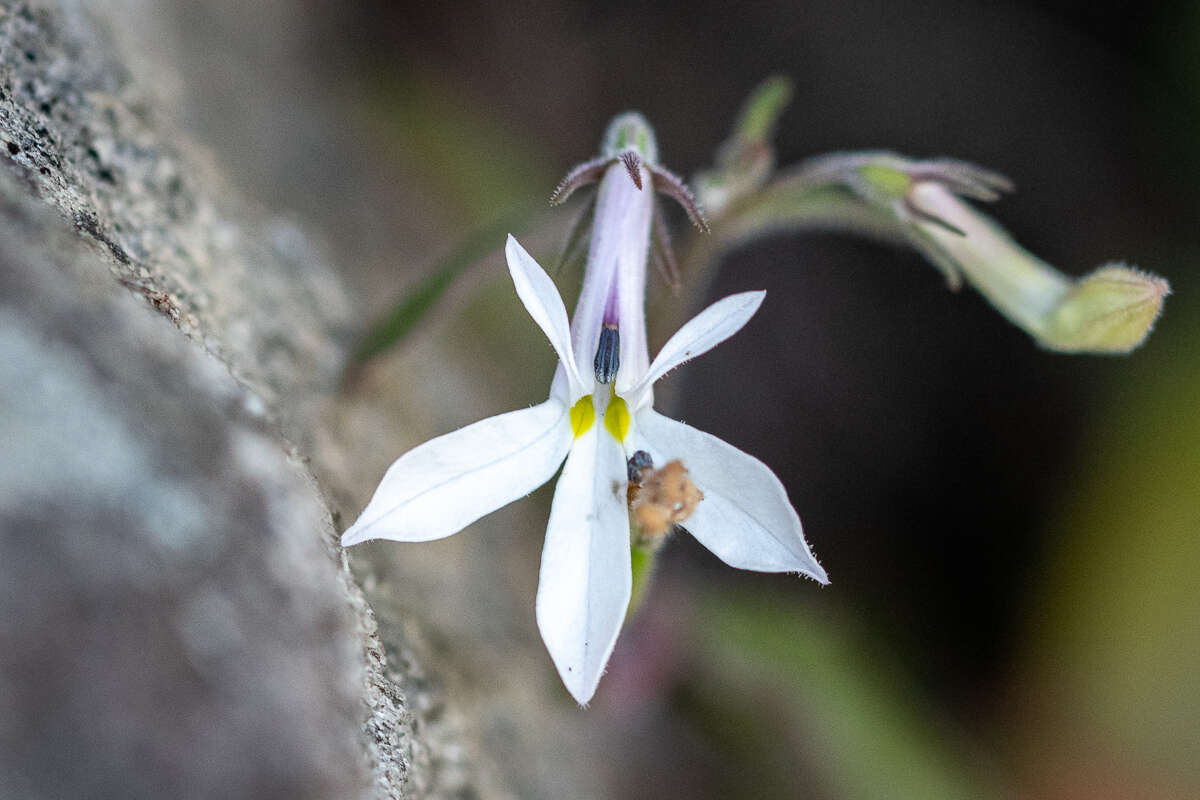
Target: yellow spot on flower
column 583, row 415
column 616, row 418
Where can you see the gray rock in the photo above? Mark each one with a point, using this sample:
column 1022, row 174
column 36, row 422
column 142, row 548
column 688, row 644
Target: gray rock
column 173, row 624
column 176, row 618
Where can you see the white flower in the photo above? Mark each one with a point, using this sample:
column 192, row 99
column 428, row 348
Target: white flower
column 595, row 425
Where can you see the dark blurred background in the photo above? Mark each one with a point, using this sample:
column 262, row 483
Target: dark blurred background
column 1011, row 533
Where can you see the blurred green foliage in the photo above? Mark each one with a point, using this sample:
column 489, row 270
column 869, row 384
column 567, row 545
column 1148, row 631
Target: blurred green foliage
column 820, row 700
column 419, row 301
column 763, row 109
column 1116, row 648
column 472, row 161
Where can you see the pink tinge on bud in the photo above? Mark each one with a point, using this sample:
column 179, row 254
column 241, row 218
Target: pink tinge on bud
column 611, row 307
column 614, row 282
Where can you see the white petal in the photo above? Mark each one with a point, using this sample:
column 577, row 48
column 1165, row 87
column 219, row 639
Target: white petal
column 745, row 517
column 446, row 484
column 545, row 305
column 586, row 577
column 700, row 334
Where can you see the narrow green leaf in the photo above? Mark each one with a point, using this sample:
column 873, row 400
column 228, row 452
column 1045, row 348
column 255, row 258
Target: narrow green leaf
column 746, row 159
column 413, row 308
column 865, row 728
column 763, row 108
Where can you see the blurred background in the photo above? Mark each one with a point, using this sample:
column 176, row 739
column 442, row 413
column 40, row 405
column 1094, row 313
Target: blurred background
column 1012, row 535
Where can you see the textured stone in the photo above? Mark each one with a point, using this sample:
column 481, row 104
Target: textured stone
column 176, row 618
column 173, row 624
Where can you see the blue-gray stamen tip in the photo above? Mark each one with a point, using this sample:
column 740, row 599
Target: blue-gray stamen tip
column 637, row 463
column 608, row 354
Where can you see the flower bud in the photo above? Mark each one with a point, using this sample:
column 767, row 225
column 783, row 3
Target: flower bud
column 1110, row 311
column 747, row 158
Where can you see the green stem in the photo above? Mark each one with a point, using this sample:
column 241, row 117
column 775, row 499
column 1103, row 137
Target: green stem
column 644, row 554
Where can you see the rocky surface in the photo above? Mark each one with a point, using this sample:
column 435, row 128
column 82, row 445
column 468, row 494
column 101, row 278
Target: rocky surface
column 173, row 622
column 176, row 618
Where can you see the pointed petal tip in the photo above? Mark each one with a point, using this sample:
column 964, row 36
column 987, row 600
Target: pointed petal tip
column 581, row 686
column 757, row 296
column 581, row 694
column 354, row 535
column 740, row 302
column 512, row 250
column 577, row 681
column 806, row 564
column 817, row 573
column 700, row 334
column 747, row 304
column 541, row 299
